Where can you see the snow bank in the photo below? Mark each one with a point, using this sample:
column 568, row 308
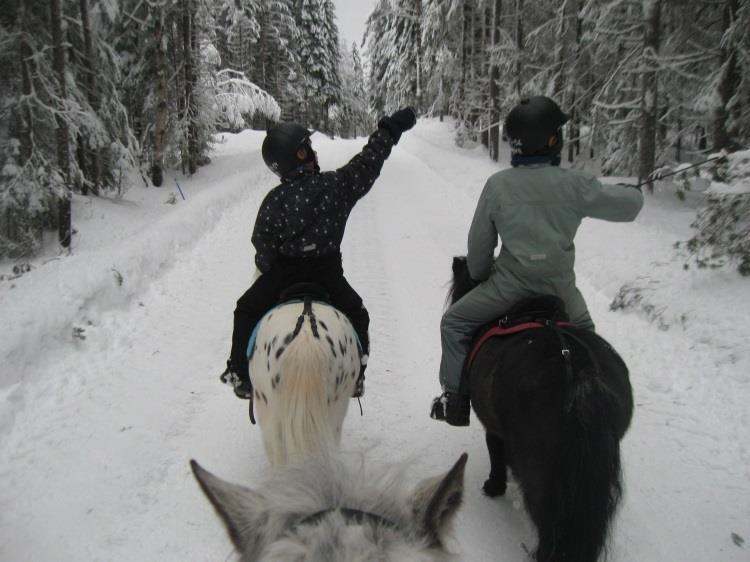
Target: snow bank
column 120, row 246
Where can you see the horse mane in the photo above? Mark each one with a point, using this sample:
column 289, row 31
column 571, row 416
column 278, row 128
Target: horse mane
column 462, row 282
column 341, row 480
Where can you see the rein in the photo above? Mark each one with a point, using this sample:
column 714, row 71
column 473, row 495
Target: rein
column 349, row 515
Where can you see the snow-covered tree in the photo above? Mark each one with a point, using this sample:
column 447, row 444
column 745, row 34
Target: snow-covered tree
column 238, row 100
column 394, row 46
column 57, row 136
column 319, row 57
column 351, row 116
column 645, row 81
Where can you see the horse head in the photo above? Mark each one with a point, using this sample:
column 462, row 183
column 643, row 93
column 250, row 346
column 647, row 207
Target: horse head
column 325, row 511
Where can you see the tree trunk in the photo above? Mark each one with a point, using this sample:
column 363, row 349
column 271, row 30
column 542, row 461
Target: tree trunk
column 494, row 137
column 190, row 155
column 91, row 93
column 162, row 107
column 465, row 50
column 63, row 207
column 26, row 134
column 649, row 90
column 417, row 31
column 730, row 79
column 574, row 127
column 519, row 47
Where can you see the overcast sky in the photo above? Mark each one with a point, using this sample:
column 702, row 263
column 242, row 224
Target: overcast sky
column 352, row 15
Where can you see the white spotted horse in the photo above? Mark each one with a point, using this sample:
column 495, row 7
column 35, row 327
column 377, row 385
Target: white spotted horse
column 303, row 369
column 555, row 401
column 328, row 510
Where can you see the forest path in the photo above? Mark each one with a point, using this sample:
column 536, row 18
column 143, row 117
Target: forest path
column 97, row 467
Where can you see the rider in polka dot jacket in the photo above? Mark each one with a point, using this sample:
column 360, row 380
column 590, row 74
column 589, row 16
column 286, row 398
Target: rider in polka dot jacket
column 299, row 228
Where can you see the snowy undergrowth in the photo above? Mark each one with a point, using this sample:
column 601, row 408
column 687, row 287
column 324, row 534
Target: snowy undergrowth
column 121, row 245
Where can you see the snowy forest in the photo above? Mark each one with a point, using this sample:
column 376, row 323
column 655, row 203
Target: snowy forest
column 93, row 91
column 132, row 174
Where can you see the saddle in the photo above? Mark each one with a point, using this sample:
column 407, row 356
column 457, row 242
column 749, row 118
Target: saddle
column 303, row 291
column 527, row 314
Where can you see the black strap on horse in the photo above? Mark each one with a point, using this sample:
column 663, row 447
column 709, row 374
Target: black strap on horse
column 562, row 334
column 306, row 311
column 565, row 350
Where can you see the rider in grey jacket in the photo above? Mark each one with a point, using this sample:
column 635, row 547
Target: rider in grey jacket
column 535, row 208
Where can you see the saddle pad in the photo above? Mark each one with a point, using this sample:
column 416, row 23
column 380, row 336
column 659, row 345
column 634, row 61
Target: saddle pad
column 497, row 331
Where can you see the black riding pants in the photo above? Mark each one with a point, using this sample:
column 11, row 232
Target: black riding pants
column 264, row 295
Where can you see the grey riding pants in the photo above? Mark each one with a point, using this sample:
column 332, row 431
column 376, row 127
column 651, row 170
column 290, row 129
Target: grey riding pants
column 488, row 301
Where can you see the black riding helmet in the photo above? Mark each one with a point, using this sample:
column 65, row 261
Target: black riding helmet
column 530, row 125
column 280, row 147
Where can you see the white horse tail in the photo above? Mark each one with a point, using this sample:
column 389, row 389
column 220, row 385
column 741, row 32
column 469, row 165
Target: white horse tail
column 304, row 402
column 303, row 371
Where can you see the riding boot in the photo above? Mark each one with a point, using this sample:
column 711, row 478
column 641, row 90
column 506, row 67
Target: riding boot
column 242, row 386
column 359, row 386
column 457, row 411
column 451, row 408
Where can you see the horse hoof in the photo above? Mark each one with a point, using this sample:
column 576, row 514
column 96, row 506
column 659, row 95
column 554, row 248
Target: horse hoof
column 493, row 489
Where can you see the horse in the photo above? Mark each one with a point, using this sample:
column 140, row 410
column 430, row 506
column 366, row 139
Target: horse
column 555, row 403
column 324, row 511
column 303, row 369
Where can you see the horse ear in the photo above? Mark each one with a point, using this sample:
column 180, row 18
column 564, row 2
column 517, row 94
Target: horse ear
column 240, row 508
column 459, row 264
column 436, row 500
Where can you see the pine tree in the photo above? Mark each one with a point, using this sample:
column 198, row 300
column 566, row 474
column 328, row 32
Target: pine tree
column 318, row 52
column 351, row 117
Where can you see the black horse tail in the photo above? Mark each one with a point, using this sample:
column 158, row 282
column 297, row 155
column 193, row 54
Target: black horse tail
column 586, row 485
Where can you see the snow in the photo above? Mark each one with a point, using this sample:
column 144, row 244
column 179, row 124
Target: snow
column 96, row 433
column 738, row 174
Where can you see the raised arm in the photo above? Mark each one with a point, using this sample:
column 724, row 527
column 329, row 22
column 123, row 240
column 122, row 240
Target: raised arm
column 361, row 172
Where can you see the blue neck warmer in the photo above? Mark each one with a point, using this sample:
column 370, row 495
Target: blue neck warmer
column 523, row 160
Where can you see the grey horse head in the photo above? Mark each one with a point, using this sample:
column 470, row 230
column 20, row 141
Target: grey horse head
column 327, row 512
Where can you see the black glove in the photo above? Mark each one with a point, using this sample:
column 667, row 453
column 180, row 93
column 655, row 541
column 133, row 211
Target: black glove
column 403, row 120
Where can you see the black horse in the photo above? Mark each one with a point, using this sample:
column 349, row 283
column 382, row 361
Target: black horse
column 554, row 402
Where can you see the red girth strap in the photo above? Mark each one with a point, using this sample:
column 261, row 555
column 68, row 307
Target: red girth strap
column 501, row 331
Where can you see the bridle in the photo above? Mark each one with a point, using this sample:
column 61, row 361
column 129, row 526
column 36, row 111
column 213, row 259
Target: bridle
column 349, row 515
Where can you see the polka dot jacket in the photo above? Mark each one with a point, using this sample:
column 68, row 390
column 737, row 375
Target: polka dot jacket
column 305, row 216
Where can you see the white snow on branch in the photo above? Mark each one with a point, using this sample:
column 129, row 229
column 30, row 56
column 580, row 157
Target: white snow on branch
column 237, row 99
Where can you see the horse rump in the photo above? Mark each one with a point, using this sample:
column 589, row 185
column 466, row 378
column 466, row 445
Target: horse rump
column 304, row 377
column 584, row 484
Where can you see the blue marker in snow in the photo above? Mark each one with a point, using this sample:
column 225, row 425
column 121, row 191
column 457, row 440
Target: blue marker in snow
column 178, row 187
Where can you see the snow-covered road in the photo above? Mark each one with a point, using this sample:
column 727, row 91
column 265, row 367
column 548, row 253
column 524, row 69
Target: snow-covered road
column 94, row 454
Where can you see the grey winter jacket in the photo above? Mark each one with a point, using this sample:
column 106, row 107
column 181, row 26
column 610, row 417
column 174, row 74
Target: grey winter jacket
column 536, row 210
